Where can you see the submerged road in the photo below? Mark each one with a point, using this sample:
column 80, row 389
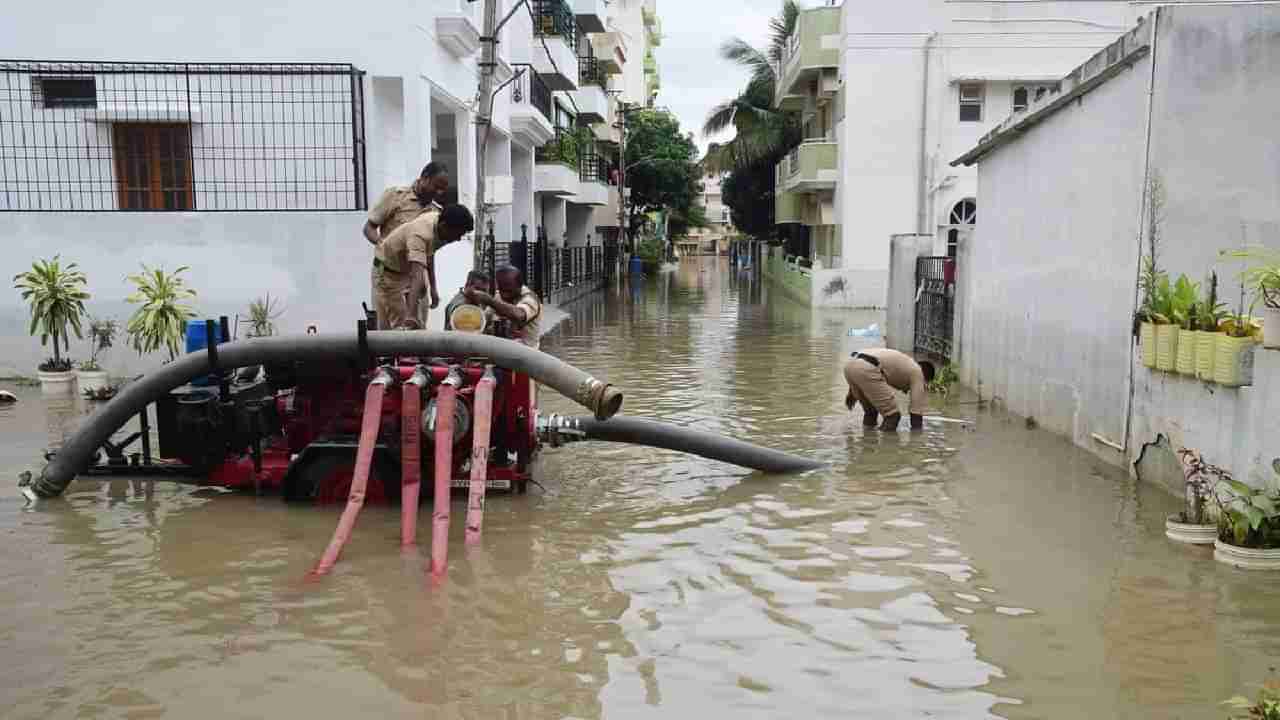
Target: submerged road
column 962, row 572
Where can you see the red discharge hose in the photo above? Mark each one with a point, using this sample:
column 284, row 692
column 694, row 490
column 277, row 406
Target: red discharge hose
column 446, row 402
column 480, row 455
column 364, row 458
column 410, row 456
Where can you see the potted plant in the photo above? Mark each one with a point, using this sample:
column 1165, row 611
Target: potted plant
column 56, row 295
column 1264, row 278
column 161, row 320
column 90, row 375
column 1233, row 364
column 1248, row 525
column 1194, row 525
column 1209, row 317
column 263, row 312
column 1166, row 330
column 1186, row 296
column 1267, row 706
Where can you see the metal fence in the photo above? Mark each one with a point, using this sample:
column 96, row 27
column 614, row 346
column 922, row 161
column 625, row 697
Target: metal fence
column 531, row 88
column 555, row 18
column 125, row 136
column 557, row 274
column 935, row 306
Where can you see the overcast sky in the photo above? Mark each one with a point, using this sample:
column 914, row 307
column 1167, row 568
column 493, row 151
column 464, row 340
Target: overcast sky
column 693, row 76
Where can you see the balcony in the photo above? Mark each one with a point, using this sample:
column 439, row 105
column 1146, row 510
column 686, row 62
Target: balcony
column 611, row 52
column 590, row 97
column 809, row 168
column 556, row 165
column 591, row 15
column 458, row 34
column 813, row 47
column 650, row 12
column 531, row 107
column 786, row 207
column 593, row 180
column 555, row 23
column 653, row 31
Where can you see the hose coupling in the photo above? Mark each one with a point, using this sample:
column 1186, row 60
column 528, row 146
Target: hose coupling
column 604, row 399
column 419, row 377
column 453, row 378
column 383, row 376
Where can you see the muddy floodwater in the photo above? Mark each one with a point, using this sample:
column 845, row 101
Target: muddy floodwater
column 962, row 572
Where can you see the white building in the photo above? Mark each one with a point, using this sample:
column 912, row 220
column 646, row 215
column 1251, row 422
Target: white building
column 714, row 238
column 889, row 93
column 247, row 140
column 1047, row 287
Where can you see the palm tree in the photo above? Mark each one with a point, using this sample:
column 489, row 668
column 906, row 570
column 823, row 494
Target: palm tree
column 56, row 295
column 762, row 131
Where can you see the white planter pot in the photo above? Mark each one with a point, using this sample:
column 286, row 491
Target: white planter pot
column 1188, row 533
column 91, row 380
column 1246, row 559
column 1271, row 327
column 57, row 382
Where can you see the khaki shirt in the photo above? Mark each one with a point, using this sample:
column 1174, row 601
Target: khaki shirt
column 903, row 374
column 412, row 242
column 530, row 331
column 397, row 206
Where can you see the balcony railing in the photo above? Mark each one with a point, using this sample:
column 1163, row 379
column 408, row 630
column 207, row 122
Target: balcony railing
column 590, row 72
column 564, row 148
column 530, row 88
column 555, row 18
column 793, row 161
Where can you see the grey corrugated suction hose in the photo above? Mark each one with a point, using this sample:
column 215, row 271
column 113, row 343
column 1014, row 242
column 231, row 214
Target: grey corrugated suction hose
column 600, row 398
column 558, row 430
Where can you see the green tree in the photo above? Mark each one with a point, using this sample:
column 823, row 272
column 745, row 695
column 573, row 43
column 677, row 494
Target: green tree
column 662, row 169
column 749, row 193
column 56, row 295
column 161, row 319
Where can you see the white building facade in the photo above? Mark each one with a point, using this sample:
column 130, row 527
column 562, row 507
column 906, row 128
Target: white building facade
column 888, row 94
column 247, row 144
column 713, row 239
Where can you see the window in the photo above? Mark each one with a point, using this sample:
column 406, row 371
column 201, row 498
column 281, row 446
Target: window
column 1019, row 99
column 65, row 92
column 965, row 212
column 971, row 103
column 153, row 166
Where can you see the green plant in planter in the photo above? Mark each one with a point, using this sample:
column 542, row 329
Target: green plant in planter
column 943, row 380
column 263, row 313
column 1182, row 300
column 1266, row 707
column 1248, row 517
column 1200, row 480
column 1263, row 278
column 162, row 318
column 56, row 296
column 102, row 335
column 1210, row 313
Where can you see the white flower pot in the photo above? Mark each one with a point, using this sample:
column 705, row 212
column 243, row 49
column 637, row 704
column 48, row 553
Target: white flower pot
column 1271, row 327
column 91, row 380
column 1245, row 558
column 1188, row 533
column 57, row 382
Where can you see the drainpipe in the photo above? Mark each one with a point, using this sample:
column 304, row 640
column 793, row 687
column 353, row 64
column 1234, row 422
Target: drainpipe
column 1123, row 445
column 922, row 181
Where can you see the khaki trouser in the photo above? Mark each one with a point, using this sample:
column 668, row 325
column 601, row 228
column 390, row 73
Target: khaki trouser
column 389, row 291
column 870, row 388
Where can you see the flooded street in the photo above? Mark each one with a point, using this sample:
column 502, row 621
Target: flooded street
column 962, row 572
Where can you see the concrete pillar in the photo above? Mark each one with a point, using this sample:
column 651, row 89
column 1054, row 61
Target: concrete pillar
column 522, row 205
column 498, row 163
column 578, row 224
column 385, row 136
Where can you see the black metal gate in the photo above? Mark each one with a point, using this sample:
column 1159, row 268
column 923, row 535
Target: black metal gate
column 935, row 306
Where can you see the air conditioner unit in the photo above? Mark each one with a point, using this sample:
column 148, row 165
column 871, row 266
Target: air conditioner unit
column 498, row 189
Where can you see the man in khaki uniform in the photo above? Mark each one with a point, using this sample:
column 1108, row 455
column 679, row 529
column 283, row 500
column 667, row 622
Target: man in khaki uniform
column 875, row 373
column 401, row 203
column 404, row 269
column 518, row 304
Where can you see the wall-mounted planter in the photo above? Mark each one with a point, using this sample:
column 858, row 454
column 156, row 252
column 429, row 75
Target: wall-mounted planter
column 1233, row 364
column 1166, row 347
column 1188, row 533
column 1246, row 558
column 1147, row 334
column 1186, row 362
column 1206, row 352
column 1271, row 327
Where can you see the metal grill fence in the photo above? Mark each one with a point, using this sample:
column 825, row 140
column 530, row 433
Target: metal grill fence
column 181, row 136
column 557, row 274
column 935, row 306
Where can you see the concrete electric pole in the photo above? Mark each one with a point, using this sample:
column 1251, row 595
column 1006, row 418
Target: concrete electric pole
column 484, row 118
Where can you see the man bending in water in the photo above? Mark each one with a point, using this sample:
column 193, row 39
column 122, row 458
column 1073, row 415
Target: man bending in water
column 874, row 374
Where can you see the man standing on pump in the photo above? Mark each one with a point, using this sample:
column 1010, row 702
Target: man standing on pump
column 398, row 205
column 404, row 266
column 875, row 373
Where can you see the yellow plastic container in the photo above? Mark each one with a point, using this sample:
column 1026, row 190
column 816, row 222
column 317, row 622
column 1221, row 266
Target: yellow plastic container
column 1186, row 362
column 1233, row 365
column 1166, row 347
column 1206, row 352
column 1148, row 337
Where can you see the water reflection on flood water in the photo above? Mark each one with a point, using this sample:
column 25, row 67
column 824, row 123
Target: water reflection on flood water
column 966, row 572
